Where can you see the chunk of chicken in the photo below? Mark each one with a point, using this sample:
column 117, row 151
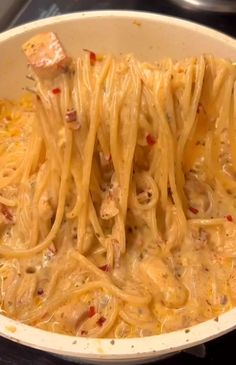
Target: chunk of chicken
column 160, row 279
column 46, row 55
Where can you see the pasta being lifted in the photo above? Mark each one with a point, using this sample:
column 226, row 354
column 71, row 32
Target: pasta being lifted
column 117, row 193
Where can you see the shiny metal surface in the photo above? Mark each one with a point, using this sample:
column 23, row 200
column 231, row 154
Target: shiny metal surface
column 219, row 6
column 8, row 10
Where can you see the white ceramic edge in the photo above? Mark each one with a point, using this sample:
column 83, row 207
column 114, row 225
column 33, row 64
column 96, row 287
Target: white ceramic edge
column 119, row 348
column 72, row 346
column 122, row 14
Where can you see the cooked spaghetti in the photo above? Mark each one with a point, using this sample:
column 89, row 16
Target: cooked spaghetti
column 117, row 193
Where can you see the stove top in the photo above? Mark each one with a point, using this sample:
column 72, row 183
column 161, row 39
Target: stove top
column 16, row 12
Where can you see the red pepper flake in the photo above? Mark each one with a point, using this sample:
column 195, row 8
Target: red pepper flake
column 92, row 55
column 193, row 210
column 229, row 218
column 91, row 311
column 6, row 213
column 101, row 321
column 150, row 140
column 56, row 90
column 105, row 268
column 40, row 291
column 84, row 333
column 38, row 98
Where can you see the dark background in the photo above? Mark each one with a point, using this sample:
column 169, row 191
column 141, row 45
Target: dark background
column 35, row 9
column 15, row 12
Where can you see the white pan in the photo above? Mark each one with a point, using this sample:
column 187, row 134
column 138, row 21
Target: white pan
column 149, row 37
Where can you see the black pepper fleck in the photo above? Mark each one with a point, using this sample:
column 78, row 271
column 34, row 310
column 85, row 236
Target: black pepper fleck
column 112, row 342
column 224, row 300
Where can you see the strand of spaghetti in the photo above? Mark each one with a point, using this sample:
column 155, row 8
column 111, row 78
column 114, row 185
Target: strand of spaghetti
column 158, row 165
column 187, row 93
column 59, row 299
column 155, row 161
column 98, row 331
column 66, row 96
column 41, row 181
column 63, row 99
column 232, row 127
column 189, row 110
column 223, row 119
column 171, row 169
column 7, row 252
column 131, row 130
column 116, row 103
column 33, row 153
column 137, row 321
column 55, row 107
column 88, row 154
column 49, row 140
column 106, row 282
column 51, row 287
column 223, row 178
column 76, row 173
column 225, row 196
column 37, row 145
column 97, row 179
column 103, row 140
column 81, row 99
column 14, row 177
column 169, row 92
column 8, row 202
column 208, row 168
column 103, row 136
column 222, row 123
column 206, row 222
column 174, row 191
column 95, row 223
column 153, row 219
column 172, row 175
column 88, row 79
column 218, row 81
column 37, row 155
column 161, row 171
column 129, row 126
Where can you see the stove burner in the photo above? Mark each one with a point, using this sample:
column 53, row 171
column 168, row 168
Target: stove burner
column 198, row 351
column 220, row 6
